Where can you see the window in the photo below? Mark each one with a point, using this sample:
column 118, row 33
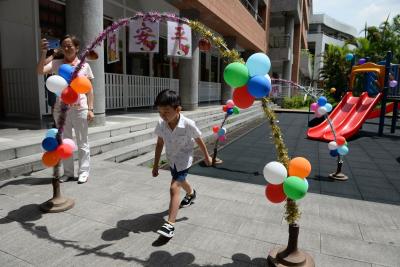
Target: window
column 203, row 67
column 52, row 19
column 214, row 69
column 161, row 60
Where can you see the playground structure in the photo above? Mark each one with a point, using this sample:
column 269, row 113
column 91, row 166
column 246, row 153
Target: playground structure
column 352, row 111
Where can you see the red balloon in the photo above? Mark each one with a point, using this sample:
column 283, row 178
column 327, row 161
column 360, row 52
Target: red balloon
column 340, row 140
column 274, row 193
column 215, row 129
column 64, row 151
column 69, row 96
column 225, row 108
column 242, row 98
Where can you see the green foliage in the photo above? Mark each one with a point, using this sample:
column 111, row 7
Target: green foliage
column 296, row 102
column 335, row 70
column 374, row 45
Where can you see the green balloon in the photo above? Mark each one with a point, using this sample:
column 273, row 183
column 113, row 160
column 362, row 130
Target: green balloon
column 236, row 74
column 236, row 110
column 294, row 187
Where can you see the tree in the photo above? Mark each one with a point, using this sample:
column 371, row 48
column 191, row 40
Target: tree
column 335, row 70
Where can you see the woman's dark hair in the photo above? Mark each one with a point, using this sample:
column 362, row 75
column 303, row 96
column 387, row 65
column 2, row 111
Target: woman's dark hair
column 167, row 97
column 73, row 38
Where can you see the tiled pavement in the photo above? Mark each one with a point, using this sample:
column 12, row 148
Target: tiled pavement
column 352, row 223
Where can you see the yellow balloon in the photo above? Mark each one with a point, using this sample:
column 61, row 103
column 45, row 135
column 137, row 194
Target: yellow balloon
column 333, row 90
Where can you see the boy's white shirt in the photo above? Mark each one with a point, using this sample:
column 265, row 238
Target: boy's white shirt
column 179, row 143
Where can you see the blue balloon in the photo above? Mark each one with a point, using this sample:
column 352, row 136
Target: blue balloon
column 322, row 101
column 221, row 132
column 49, row 144
column 230, row 111
column 66, row 71
column 349, row 57
column 259, row 86
column 343, row 150
column 258, row 64
column 362, row 61
column 52, row 132
column 328, row 107
column 334, row 153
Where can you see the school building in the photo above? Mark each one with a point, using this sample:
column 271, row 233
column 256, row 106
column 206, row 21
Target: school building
column 134, row 80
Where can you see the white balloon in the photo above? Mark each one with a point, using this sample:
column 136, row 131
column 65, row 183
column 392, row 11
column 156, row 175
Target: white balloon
column 275, row 172
column 268, row 78
column 332, row 145
column 56, row 84
column 322, row 110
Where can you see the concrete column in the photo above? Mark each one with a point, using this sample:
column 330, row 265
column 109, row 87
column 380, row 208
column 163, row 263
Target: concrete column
column 318, row 60
column 189, row 69
column 287, row 65
column 226, row 90
column 85, row 20
column 296, row 53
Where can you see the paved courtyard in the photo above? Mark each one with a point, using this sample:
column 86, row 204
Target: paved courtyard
column 117, row 213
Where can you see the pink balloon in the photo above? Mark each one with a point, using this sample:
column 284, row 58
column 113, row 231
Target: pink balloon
column 70, row 143
column 230, row 103
column 314, row 106
column 222, row 138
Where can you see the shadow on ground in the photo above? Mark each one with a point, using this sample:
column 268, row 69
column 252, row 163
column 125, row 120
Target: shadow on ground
column 28, row 214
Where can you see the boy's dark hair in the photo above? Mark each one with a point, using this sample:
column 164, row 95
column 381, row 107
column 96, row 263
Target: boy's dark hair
column 167, row 97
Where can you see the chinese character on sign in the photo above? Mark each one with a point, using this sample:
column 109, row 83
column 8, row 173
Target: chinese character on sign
column 143, row 36
column 112, row 47
column 179, row 40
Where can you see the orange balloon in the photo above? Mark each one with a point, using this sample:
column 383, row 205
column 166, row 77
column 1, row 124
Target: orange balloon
column 50, row 159
column 299, row 167
column 81, row 85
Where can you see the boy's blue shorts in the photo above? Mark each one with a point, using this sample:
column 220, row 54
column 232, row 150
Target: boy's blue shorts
column 179, row 176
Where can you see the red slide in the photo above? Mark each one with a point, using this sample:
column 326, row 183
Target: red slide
column 347, row 117
column 377, row 112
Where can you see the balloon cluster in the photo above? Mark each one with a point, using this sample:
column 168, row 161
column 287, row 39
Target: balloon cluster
column 338, row 147
column 219, row 133
column 229, row 108
column 250, row 80
column 291, row 183
column 321, row 107
column 54, row 150
column 67, row 88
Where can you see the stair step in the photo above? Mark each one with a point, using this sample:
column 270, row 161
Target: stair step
column 125, row 146
column 30, row 142
column 207, row 135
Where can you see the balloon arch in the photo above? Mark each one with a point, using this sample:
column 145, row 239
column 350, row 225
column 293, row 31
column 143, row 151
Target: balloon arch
column 294, row 187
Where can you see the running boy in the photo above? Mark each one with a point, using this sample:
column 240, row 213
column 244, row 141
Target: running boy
column 178, row 133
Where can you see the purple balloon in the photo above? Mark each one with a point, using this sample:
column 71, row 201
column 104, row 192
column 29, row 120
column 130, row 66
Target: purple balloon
column 393, row 83
column 362, row 61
